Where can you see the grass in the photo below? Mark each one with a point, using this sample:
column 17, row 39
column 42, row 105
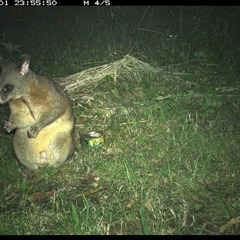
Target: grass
column 170, row 162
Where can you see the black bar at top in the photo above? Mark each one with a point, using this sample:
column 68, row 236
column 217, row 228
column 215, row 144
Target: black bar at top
column 97, row 3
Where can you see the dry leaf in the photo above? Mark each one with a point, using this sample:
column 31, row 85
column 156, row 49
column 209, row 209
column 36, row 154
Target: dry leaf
column 37, row 196
column 233, row 221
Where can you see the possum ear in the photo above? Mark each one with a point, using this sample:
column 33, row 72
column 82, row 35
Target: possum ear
column 23, row 66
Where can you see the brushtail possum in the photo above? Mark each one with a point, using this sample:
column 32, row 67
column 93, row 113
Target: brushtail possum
column 41, row 115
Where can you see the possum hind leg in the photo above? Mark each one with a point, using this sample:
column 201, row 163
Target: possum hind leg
column 43, row 158
column 64, row 149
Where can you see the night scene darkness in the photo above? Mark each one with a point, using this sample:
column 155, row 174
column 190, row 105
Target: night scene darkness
column 119, row 119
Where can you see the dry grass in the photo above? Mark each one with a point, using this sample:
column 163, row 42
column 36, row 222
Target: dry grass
column 126, row 68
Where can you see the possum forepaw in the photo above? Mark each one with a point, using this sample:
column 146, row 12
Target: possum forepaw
column 9, row 126
column 33, row 132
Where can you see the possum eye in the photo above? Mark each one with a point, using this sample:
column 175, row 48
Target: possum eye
column 8, row 88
